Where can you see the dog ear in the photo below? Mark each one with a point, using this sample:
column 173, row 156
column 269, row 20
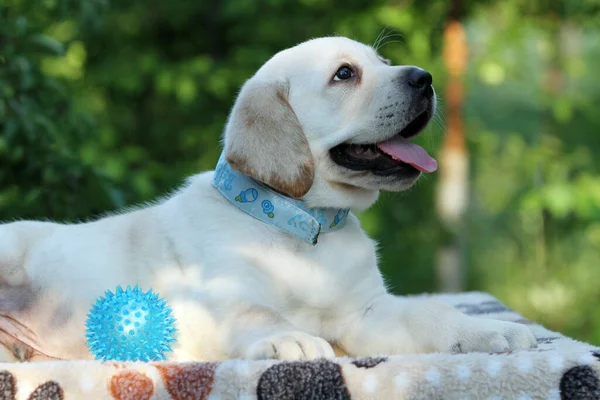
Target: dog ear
column 264, row 140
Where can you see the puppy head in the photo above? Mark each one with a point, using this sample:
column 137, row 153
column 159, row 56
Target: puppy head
column 330, row 121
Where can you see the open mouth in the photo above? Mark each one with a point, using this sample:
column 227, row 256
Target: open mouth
column 390, row 156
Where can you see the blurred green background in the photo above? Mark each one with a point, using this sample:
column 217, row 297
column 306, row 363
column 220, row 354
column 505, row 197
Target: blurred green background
column 108, row 103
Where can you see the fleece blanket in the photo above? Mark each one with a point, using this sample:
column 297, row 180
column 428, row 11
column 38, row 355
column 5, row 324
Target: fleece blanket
column 559, row 368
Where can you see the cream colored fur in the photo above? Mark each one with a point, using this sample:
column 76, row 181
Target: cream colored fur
column 239, row 287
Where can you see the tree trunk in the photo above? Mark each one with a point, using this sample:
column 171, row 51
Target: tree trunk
column 453, row 184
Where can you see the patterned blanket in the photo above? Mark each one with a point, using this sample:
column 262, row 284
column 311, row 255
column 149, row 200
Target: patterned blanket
column 560, row 368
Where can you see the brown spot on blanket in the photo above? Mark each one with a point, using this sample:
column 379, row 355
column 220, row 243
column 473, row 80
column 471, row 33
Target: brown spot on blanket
column 8, row 386
column 369, row 362
column 47, row 391
column 131, row 385
column 303, row 380
column 580, row 383
column 189, row 380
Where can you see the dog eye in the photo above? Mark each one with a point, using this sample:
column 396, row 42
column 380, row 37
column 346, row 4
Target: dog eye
column 343, row 74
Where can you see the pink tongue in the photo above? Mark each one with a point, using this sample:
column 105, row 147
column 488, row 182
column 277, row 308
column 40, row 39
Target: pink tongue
column 401, row 149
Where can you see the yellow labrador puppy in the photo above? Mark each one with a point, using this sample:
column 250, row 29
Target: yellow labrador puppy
column 261, row 258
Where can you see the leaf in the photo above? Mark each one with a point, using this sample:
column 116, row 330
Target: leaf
column 47, row 44
column 32, row 196
column 559, row 199
column 562, row 110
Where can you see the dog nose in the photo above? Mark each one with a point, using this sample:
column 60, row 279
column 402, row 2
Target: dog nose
column 421, row 80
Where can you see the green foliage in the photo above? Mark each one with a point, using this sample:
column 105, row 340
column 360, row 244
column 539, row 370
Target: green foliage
column 110, row 103
column 536, row 205
column 42, row 126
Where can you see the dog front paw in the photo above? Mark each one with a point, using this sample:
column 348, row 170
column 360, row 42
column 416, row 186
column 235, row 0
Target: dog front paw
column 492, row 336
column 289, row 346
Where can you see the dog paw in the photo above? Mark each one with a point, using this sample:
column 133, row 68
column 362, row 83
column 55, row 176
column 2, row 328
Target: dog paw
column 492, row 336
column 289, row 346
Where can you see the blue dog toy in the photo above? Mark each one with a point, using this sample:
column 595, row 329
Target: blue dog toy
column 130, row 325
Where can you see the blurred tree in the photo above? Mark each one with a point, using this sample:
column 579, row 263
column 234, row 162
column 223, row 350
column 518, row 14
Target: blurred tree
column 533, row 221
column 453, row 182
column 42, row 125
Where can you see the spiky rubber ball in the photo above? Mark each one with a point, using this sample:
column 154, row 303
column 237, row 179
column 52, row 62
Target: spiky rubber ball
column 130, row 325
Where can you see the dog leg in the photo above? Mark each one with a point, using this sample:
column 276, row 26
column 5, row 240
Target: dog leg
column 260, row 333
column 395, row 325
column 15, row 291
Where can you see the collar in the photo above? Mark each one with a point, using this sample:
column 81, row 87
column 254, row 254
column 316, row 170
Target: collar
column 264, row 204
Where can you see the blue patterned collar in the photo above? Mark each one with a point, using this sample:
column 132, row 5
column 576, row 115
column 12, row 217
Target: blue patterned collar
column 264, row 204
